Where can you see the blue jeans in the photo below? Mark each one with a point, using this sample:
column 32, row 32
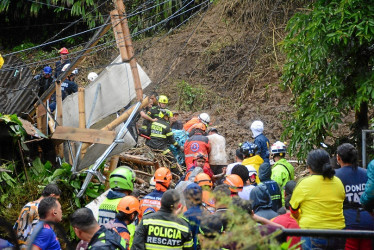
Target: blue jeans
column 322, row 243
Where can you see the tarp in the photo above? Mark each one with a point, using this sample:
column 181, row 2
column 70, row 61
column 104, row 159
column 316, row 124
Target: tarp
column 115, row 92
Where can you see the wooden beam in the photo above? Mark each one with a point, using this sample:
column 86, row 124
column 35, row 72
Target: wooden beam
column 130, row 50
column 118, row 33
column 84, row 135
column 136, row 160
column 113, row 165
column 81, row 108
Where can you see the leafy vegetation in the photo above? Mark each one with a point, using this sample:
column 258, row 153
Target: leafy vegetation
column 191, row 98
column 329, row 69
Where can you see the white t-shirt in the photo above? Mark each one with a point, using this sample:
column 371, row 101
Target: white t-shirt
column 246, row 192
column 230, row 167
column 217, row 155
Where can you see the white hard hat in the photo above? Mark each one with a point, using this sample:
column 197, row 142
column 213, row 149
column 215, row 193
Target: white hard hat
column 66, row 66
column 257, row 128
column 92, row 76
column 278, row 147
column 205, row 118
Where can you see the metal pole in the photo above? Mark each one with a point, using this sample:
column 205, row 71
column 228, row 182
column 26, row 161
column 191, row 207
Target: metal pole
column 329, row 233
column 91, row 172
column 363, row 149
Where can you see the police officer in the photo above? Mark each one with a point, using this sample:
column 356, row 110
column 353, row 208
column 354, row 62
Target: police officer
column 164, row 229
column 161, row 134
column 87, row 229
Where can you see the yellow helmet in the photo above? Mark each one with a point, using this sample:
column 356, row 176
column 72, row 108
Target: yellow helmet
column 165, row 112
column 163, row 99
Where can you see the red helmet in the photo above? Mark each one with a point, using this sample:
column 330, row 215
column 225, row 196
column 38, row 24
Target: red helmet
column 235, row 183
column 64, row 51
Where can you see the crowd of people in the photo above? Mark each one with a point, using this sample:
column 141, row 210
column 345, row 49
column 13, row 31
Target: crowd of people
column 186, row 213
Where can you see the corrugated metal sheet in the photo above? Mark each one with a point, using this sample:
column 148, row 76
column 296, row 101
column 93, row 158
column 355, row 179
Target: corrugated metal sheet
column 15, row 87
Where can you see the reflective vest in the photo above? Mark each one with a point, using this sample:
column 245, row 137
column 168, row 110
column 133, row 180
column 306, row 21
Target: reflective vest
column 196, row 144
column 106, row 239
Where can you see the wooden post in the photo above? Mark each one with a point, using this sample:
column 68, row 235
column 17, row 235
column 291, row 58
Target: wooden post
column 118, row 33
column 130, row 50
column 60, row 147
column 81, row 108
column 38, row 118
column 82, row 112
column 113, row 164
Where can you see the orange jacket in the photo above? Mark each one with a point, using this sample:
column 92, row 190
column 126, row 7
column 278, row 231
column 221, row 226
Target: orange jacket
column 197, row 143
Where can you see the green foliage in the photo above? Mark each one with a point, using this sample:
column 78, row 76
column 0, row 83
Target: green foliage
column 191, row 97
column 329, row 68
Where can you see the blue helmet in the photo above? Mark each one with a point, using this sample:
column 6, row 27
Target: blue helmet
column 248, row 149
column 47, row 70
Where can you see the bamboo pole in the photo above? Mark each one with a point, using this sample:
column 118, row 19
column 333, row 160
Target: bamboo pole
column 81, row 108
column 118, row 120
column 60, row 147
column 38, row 118
column 82, row 113
column 113, row 165
column 118, row 33
column 130, row 50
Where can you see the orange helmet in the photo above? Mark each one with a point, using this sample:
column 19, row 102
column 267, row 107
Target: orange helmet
column 199, row 125
column 235, row 183
column 129, row 204
column 208, row 201
column 163, row 175
column 203, row 179
column 64, row 51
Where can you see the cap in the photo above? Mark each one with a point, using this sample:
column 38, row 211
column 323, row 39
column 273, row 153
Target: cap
column 169, row 198
column 213, row 130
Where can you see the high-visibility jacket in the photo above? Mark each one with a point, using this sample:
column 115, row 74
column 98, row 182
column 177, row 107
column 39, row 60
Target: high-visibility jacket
column 152, row 112
column 191, row 122
column 106, row 239
column 197, row 143
column 121, row 229
column 282, row 172
column 151, row 203
column 163, row 230
column 161, row 135
column 254, row 161
column 1, row 61
column 108, row 210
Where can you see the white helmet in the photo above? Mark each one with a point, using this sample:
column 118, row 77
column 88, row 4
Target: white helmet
column 278, row 148
column 66, row 66
column 205, row 118
column 92, row 76
column 257, row 128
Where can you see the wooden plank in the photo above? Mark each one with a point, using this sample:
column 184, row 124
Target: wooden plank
column 84, row 135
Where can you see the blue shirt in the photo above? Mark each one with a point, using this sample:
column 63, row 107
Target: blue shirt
column 354, row 181
column 46, row 239
column 263, row 145
column 194, row 215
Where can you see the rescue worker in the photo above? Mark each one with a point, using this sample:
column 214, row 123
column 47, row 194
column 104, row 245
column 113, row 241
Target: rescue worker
column 150, row 113
column 62, row 62
column 249, row 150
column 245, row 175
column 261, row 141
column 272, row 186
column 195, row 212
column 87, row 229
column 235, row 184
column 1, row 61
column 204, row 181
column 217, row 154
column 261, row 202
column 68, row 87
column 282, row 171
column 161, row 134
column 121, row 182
column 128, row 210
column 197, row 143
column 203, row 118
column 92, row 76
column 45, row 81
column 199, row 165
column 152, row 202
column 164, row 229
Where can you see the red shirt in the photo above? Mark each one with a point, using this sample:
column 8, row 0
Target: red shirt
column 288, row 222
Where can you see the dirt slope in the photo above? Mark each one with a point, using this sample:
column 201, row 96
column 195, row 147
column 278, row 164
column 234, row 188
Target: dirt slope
column 234, row 55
